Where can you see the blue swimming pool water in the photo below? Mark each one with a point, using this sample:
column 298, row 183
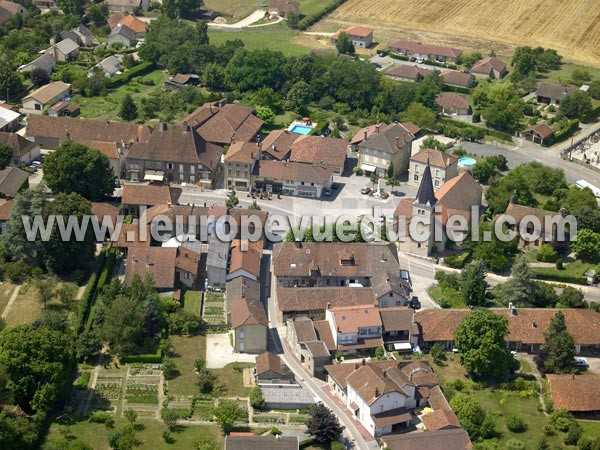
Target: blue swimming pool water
column 466, row 161
column 301, row 129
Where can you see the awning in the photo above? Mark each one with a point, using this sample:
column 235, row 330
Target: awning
column 402, row 346
column 154, row 175
column 367, row 168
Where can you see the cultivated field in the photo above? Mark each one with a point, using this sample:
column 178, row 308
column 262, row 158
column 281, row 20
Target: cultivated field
column 570, row 26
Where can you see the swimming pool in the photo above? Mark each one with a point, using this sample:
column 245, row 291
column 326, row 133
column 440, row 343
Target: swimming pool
column 301, row 129
column 466, row 162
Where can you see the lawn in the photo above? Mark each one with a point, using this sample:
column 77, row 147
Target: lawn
column 107, row 107
column 566, row 70
column 571, row 273
column 230, row 377
column 277, row 39
column 234, row 10
column 27, row 308
column 187, row 350
column 6, row 290
column 192, row 302
column 150, row 436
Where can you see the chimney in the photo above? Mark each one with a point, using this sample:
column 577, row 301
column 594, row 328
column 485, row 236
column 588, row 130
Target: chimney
column 384, row 374
column 414, row 318
column 356, row 366
column 398, row 141
column 366, row 134
column 363, row 362
column 376, row 392
column 161, row 125
column 298, row 243
column 377, row 128
column 186, row 127
column 328, row 305
column 134, row 259
column 169, row 205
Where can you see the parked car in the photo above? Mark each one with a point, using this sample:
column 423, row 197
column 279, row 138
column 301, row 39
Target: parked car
column 327, row 192
column 365, row 190
column 377, row 65
column 230, row 193
column 581, row 363
column 32, row 167
column 36, row 163
column 405, row 275
column 412, row 59
column 420, row 60
column 335, row 186
column 415, row 303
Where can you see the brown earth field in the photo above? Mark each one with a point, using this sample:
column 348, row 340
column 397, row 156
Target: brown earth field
column 570, row 26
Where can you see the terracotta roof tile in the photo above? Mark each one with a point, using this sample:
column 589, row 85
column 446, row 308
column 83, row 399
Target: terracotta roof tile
column 6, row 207
column 319, row 150
column 248, row 260
column 450, row 100
column 268, row 362
column 149, row 195
column 542, row 129
column 247, row 312
column 242, row 152
column 436, row 158
column 575, row 393
column 453, row 439
column 486, row 65
column 278, row 143
column 365, row 132
column 348, row 319
column 134, row 23
column 442, row 419
column 317, row 299
column 157, row 261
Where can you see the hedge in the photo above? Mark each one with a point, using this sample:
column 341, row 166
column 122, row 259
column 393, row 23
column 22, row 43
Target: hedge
column 88, row 293
column 321, row 126
column 592, row 115
column 308, row 21
column 125, row 77
column 558, row 277
column 308, row 442
column 152, row 358
column 488, row 131
column 452, row 88
column 103, row 279
column 566, row 134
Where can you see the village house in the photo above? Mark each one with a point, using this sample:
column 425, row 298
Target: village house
column 239, row 164
column 526, row 327
column 283, row 7
column 244, row 259
column 38, row 100
column 452, row 439
column 364, row 133
column 45, row 62
column 270, row 370
column 400, row 331
column 450, row 104
column 320, row 151
column 9, row 118
column 313, row 301
column 311, row 345
column 65, row 50
column 277, row 145
column 139, row 197
column 50, row 132
column 174, row 154
column 490, row 67
column 404, row 72
column 223, row 123
column 552, row 93
column 433, row 52
column 107, row 213
column 390, row 146
column 458, row 78
column 547, row 226
column 128, row 5
column 216, row 262
column 360, row 37
column 115, row 18
column 24, row 151
column 576, row 393
column 240, row 287
column 12, row 181
column 171, row 268
column 8, row 10
column 538, row 133
column 249, row 323
column 246, row 441
column 122, row 34
column 180, row 80
column 291, row 178
column 443, row 167
column 457, row 197
column 355, row 329
column 382, row 395
column 45, row 4
column 80, row 34
column 109, row 66
column 135, row 24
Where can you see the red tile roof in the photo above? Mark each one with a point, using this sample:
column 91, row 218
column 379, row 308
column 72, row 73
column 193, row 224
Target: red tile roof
column 242, row 152
column 542, row 129
column 348, row 319
column 149, row 195
column 355, row 31
column 436, row 158
column 246, row 311
column 248, row 260
column 486, row 65
column 134, row 23
column 319, row 150
column 268, row 362
column 159, row 262
column 575, row 393
column 278, row 143
column 364, row 133
column 451, row 100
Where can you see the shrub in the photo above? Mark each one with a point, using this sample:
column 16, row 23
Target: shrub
column 136, row 71
column 561, row 420
column 102, row 417
column 547, row 253
column 155, row 358
column 256, row 398
column 516, row 424
column 559, row 264
column 514, row 444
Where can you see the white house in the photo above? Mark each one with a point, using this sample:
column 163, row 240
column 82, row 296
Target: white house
column 355, row 328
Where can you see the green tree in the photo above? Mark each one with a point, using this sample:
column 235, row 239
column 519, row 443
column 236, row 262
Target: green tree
column 10, row 81
column 469, row 412
column 226, row 414
column 75, row 168
column 323, row 425
column 39, row 363
column 183, row 9
column 169, row 369
column 480, row 339
column 520, row 289
column 542, row 444
column 430, row 142
column 66, row 293
column 483, row 171
column 571, row 297
column 256, row 398
column 98, row 13
column 580, row 76
column 130, row 415
column 74, row 7
column 213, row 77
column 576, row 105
column 122, row 323
column 558, row 355
column 587, row 245
column 87, row 346
column 298, row 96
column 45, row 290
column 128, row 111
column 420, row 115
column 170, row 418
column 344, row 45
column 292, row 19
column 39, row 77
column 437, row 353
column 473, row 286
column 6, row 154
column 594, row 90
column 18, row 432
column 58, row 254
column 122, row 438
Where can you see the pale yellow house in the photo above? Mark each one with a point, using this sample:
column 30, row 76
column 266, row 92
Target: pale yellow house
column 249, row 323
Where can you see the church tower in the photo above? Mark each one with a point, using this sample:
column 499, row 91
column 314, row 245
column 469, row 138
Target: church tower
column 424, row 212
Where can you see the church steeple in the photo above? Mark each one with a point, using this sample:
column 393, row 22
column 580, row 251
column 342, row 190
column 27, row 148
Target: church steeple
column 426, row 193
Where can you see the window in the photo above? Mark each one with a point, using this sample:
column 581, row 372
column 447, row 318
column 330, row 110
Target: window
column 437, row 183
column 192, row 179
column 416, row 168
column 416, row 177
column 242, row 334
column 38, row 107
column 170, row 166
column 180, row 168
column 437, row 173
column 187, row 275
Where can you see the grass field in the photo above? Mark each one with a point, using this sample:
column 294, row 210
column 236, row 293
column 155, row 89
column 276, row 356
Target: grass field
column 234, row 10
column 187, row 350
column 6, row 290
column 280, row 39
column 574, row 269
column 570, row 26
column 230, row 377
column 107, row 107
column 27, row 308
column 192, row 302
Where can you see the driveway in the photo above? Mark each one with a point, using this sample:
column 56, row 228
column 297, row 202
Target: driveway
column 219, row 352
column 252, row 18
column 594, row 365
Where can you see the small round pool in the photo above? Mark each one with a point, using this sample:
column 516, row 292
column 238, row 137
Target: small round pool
column 466, row 162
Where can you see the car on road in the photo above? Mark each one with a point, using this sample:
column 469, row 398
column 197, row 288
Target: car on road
column 37, row 163
column 415, row 303
column 398, row 193
column 405, row 275
column 365, row 190
column 230, row 193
